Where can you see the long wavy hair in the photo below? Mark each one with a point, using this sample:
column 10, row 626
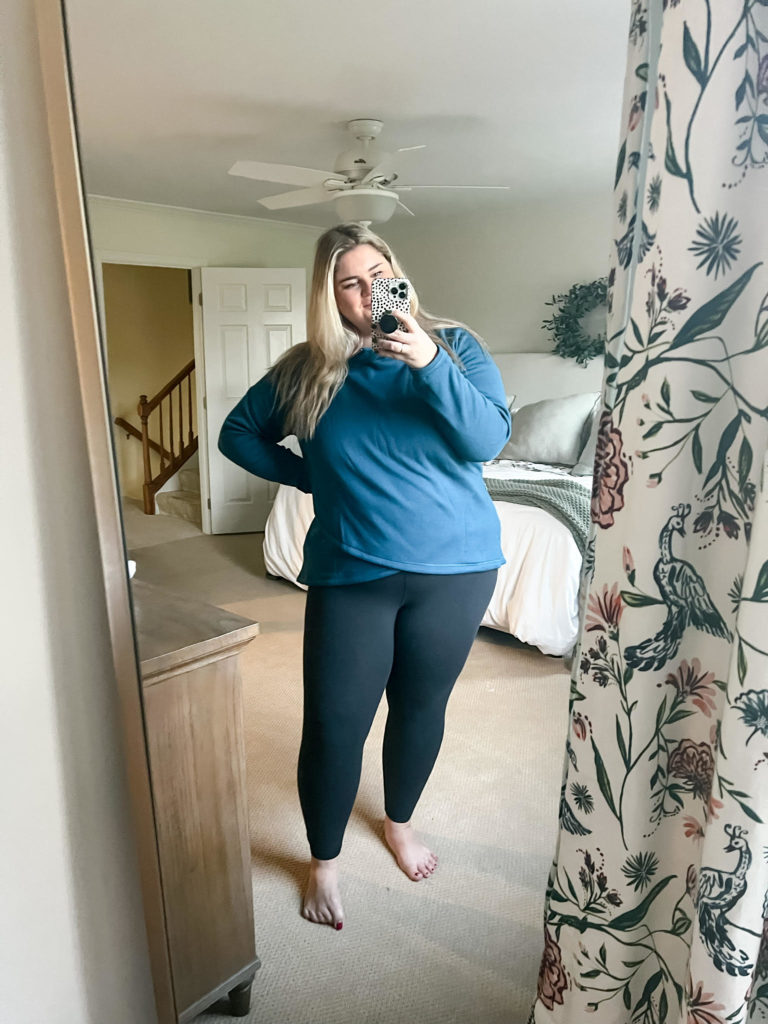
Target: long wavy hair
column 308, row 376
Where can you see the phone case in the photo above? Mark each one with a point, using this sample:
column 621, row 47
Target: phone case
column 388, row 294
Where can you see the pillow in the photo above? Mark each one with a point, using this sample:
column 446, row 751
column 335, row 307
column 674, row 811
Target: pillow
column 550, row 431
column 585, row 465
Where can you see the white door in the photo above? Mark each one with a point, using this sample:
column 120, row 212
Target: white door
column 250, row 317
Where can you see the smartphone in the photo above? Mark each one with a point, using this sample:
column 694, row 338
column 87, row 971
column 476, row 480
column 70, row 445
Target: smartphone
column 388, row 294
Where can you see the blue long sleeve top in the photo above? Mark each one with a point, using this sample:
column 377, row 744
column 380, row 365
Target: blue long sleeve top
column 394, row 466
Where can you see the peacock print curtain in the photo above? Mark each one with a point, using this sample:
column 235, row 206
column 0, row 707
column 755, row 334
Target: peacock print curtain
column 657, row 903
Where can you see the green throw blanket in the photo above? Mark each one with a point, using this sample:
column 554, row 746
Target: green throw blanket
column 564, row 499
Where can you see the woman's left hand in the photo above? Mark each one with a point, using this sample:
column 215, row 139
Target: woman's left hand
column 410, row 344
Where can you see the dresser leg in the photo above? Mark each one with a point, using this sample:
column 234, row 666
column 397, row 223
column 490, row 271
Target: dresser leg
column 240, row 999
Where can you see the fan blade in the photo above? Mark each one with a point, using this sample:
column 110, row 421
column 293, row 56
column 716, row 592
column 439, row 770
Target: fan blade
column 281, row 174
column 408, row 149
column 302, row 197
column 408, row 188
column 401, row 203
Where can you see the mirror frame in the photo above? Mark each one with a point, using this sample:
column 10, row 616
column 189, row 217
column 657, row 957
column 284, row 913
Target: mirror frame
column 70, row 200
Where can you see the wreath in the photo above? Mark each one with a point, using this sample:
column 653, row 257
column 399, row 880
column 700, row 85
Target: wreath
column 571, row 340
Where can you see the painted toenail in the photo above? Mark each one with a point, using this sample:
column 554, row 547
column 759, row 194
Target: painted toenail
column 339, row 925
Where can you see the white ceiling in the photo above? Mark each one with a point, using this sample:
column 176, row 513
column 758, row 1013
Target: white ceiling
column 169, row 95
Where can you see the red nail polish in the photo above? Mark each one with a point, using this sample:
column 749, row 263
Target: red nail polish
column 339, row 925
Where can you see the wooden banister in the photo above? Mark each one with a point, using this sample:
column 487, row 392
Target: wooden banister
column 165, row 391
column 135, row 432
column 179, row 447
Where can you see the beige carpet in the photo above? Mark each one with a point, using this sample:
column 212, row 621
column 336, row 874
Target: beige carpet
column 461, row 947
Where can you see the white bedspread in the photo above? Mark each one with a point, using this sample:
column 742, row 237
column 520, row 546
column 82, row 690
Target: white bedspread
column 536, row 595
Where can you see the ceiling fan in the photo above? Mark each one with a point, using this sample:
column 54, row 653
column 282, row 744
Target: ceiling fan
column 361, row 185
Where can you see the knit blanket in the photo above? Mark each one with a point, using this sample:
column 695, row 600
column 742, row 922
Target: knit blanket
column 566, row 500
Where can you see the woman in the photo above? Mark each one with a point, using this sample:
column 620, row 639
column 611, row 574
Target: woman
column 401, row 558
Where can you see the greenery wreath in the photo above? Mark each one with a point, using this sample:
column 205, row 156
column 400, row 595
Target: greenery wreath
column 571, row 340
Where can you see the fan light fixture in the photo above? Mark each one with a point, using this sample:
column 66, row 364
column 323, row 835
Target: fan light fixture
column 366, row 204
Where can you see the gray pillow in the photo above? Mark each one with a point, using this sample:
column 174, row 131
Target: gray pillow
column 550, row 431
column 586, row 463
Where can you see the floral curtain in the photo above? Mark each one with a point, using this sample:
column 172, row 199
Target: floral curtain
column 657, row 904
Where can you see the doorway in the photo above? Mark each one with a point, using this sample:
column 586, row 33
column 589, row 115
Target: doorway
column 149, row 337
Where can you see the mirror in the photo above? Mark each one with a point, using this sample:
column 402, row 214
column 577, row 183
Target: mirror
column 168, row 98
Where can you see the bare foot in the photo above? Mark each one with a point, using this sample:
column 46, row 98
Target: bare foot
column 322, row 902
column 415, row 859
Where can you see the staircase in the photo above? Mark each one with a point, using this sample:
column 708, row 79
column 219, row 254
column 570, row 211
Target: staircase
column 185, row 502
column 170, row 418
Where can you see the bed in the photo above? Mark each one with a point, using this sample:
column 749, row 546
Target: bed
column 554, row 404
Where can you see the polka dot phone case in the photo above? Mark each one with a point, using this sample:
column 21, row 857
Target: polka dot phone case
column 388, row 294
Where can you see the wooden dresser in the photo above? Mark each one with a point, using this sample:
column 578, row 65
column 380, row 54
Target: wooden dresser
column 188, row 653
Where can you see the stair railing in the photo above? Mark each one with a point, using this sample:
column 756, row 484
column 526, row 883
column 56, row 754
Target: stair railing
column 174, row 440
column 132, row 431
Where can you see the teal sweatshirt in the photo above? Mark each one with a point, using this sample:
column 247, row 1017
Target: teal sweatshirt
column 394, row 467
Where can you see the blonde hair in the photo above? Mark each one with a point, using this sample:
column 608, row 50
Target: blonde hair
column 308, row 376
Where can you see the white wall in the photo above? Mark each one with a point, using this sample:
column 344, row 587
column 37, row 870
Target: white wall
column 73, row 942
column 496, row 272
column 208, row 239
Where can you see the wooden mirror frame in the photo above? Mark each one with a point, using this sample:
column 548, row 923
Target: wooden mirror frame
column 70, row 198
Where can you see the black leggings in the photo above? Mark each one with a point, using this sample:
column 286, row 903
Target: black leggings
column 408, row 634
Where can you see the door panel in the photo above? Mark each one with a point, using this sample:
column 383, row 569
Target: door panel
column 250, row 317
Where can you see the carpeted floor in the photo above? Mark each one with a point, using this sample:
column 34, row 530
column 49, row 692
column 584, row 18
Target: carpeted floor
column 463, row 946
